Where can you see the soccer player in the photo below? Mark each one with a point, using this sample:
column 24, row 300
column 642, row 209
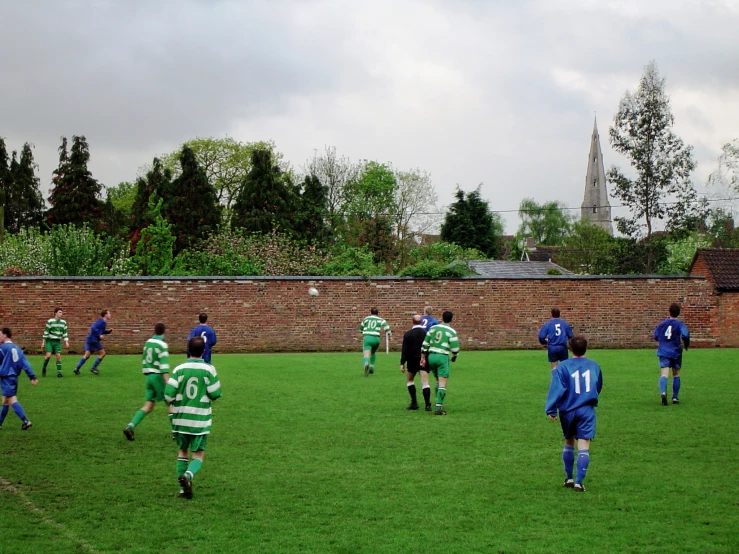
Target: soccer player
column 441, row 341
column 370, row 328
column 156, row 368
column 97, row 331
column 428, row 321
column 191, row 389
column 208, row 334
column 668, row 335
column 54, row 334
column 554, row 334
column 411, row 356
column 12, row 362
column 576, row 384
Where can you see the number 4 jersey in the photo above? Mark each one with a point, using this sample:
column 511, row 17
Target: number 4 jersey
column 668, row 334
column 576, row 382
column 191, row 388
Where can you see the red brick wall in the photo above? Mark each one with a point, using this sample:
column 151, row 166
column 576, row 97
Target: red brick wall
column 275, row 314
column 729, row 318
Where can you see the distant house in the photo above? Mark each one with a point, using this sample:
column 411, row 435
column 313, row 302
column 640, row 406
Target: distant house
column 505, row 269
column 720, row 266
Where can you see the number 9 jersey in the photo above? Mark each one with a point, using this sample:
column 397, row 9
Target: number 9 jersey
column 575, row 383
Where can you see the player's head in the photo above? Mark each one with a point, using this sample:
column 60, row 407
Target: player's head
column 447, row 316
column 374, row 311
column 5, row 334
column 579, row 345
column 196, row 347
column 203, row 318
column 58, row 312
column 555, row 312
column 105, row 314
column 674, row 309
column 159, row 329
column 416, row 319
column 427, row 310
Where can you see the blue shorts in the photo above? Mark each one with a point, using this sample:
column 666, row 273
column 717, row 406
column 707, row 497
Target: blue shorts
column 93, row 346
column 557, row 354
column 9, row 385
column 674, row 363
column 578, row 423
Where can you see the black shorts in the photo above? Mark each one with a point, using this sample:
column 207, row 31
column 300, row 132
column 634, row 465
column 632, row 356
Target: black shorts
column 414, row 366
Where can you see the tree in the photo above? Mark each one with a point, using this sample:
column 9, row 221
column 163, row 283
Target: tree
column 587, row 250
column 155, row 185
column 335, row 174
column 313, row 213
column 415, row 202
column 546, row 223
column 27, row 201
column 191, row 205
column 74, row 194
column 469, row 223
column 267, row 199
column 725, row 179
column 662, row 189
column 155, row 251
column 5, row 184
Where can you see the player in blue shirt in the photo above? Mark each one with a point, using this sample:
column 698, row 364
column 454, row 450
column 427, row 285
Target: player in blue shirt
column 93, row 344
column 554, row 334
column 576, row 384
column 428, row 321
column 12, row 362
column 205, row 331
column 668, row 334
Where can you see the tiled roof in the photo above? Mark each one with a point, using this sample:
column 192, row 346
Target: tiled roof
column 723, row 265
column 503, row 268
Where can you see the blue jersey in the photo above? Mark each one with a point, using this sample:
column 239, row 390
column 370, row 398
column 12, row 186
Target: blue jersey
column 575, row 383
column 13, row 361
column 555, row 333
column 209, row 336
column 428, row 321
column 97, row 330
column 668, row 334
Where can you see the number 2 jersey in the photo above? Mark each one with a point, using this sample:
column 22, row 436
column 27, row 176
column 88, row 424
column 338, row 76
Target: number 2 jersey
column 191, row 388
column 575, row 383
column 668, row 334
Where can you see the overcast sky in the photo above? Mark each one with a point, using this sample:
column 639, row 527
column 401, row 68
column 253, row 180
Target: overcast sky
column 495, row 92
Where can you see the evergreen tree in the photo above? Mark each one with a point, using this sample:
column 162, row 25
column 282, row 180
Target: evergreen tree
column 74, row 194
column 5, row 181
column 313, row 214
column 26, row 201
column 267, row 199
column 156, row 185
column 191, row 204
column 469, row 223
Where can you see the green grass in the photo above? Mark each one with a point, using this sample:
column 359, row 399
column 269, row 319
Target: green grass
column 308, row 455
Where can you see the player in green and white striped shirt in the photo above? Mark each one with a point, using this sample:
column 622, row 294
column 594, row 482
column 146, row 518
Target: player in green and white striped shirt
column 155, row 365
column 54, row 333
column 190, row 391
column 370, row 328
column 441, row 342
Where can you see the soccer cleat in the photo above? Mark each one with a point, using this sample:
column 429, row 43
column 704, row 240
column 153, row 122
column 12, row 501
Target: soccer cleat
column 569, row 483
column 76, row 371
column 95, row 371
column 675, row 401
column 412, row 406
column 129, row 433
column 366, row 370
column 59, row 375
column 186, row 485
column 428, row 407
column 664, row 400
column 440, row 411
column 371, row 371
column 26, row 425
column 579, row 488
column 181, row 494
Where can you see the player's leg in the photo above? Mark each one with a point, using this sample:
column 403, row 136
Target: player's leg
column 426, row 389
column 59, row 362
column 366, row 351
column 584, row 432
column 83, row 359
column 96, row 363
column 197, row 443
column 583, row 461
column 664, row 368
column 568, row 460
column 410, row 383
column 47, row 357
column 5, row 409
column 373, row 356
column 441, row 395
column 675, row 383
column 137, row 418
column 182, row 461
column 11, row 400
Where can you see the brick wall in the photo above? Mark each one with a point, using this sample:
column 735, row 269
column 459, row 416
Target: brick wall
column 277, row 314
column 729, row 318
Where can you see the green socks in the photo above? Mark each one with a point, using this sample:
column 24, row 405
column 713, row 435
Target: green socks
column 193, row 468
column 138, row 416
column 59, row 367
column 181, row 466
column 440, row 395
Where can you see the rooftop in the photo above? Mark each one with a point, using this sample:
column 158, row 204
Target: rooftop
column 505, row 268
column 722, row 264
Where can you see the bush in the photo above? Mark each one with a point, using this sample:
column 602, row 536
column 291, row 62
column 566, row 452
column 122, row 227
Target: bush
column 437, row 270
column 26, row 252
column 347, row 261
column 79, row 251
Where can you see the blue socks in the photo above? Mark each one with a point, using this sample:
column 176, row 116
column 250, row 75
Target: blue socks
column 583, row 461
column 18, row 409
column 568, row 457
column 675, row 386
column 96, row 363
column 3, row 413
column 663, row 385
column 80, row 363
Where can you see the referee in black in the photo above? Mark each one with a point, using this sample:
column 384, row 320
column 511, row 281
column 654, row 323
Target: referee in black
column 411, row 356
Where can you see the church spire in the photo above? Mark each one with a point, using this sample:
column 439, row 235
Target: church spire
column 595, row 204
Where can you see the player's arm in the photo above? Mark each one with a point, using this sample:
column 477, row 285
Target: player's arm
column 686, row 335
column 543, row 334
column 46, row 334
column 213, row 386
column 213, row 340
column 569, row 334
column 656, row 333
column 29, row 371
column 170, row 391
column 556, row 391
column 454, row 346
column 163, row 359
column 599, row 383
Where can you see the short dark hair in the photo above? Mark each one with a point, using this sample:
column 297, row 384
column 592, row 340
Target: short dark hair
column 555, row 312
column 196, row 347
column 674, row 309
column 579, row 345
column 57, row 309
column 159, row 329
column 7, row 332
column 203, row 317
column 103, row 312
column 374, row 311
column 447, row 316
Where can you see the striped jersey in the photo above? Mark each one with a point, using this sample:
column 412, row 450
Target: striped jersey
column 191, row 388
column 441, row 339
column 56, row 329
column 156, row 356
column 372, row 324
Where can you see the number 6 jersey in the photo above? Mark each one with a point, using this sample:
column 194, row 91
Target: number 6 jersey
column 191, row 388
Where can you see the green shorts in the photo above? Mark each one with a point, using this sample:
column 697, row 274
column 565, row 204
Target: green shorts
column 438, row 364
column 370, row 342
column 193, row 443
column 53, row 346
column 155, row 387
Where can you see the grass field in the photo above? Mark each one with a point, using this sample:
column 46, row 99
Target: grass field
column 308, row 455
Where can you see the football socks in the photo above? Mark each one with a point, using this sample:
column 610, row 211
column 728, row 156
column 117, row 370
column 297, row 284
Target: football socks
column 3, row 413
column 583, row 461
column 137, row 418
column 568, row 458
column 663, row 385
column 427, row 395
column 80, row 363
column 193, row 468
column 181, row 466
column 96, row 364
column 18, row 409
column 675, row 387
column 440, row 395
column 412, row 392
